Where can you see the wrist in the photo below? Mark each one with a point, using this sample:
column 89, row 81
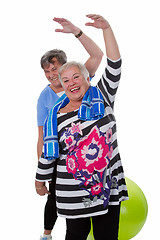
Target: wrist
column 79, row 34
column 76, row 31
column 107, row 27
column 39, row 188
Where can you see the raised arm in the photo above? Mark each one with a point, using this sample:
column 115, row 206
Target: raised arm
column 109, row 82
column 90, row 46
column 112, row 50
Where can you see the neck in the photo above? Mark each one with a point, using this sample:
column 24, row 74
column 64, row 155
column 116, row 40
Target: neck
column 56, row 89
column 70, row 107
column 74, row 105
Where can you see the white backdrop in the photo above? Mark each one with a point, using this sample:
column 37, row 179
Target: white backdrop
column 27, row 32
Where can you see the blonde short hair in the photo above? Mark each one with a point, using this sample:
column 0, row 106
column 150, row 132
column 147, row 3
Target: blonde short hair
column 80, row 66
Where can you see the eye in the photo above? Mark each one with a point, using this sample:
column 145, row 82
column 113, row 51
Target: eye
column 65, row 81
column 76, row 76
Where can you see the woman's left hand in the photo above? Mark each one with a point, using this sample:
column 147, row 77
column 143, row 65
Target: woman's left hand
column 68, row 27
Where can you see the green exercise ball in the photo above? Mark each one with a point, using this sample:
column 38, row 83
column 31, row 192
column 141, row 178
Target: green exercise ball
column 133, row 213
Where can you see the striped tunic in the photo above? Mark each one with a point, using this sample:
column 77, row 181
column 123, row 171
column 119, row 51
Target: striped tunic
column 90, row 175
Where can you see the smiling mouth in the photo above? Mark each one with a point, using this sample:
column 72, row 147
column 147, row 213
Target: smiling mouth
column 54, row 79
column 75, row 89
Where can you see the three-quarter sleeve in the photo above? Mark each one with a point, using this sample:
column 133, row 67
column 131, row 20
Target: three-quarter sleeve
column 109, row 81
column 45, row 170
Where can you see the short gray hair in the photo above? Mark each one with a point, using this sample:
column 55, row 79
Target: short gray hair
column 79, row 65
column 46, row 59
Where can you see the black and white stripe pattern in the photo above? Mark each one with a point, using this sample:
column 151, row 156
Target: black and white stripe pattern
column 110, row 81
column 72, row 200
column 45, row 170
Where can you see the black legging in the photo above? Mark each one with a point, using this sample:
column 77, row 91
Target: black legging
column 50, row 213
column 105, row 227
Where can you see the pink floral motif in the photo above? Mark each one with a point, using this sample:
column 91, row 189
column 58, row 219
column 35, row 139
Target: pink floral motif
column 76, row 128
column 92, row 153
column 72, row 165
column 87, row 159
column 96, row 189
column 70, row 143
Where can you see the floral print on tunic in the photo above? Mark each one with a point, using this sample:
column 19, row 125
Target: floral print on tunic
column 88, row 159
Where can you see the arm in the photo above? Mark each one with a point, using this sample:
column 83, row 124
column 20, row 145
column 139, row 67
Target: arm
column 41, row 115
column 93, row 50
column 41, row 189
column 44, row 173
column 112, row 50
column 40, row 141
column 109, row 82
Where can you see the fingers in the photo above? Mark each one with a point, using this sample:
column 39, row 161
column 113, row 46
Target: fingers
column 97, row 20
column 58, row 30
column 46, row 191
column 94, row 16
column 59, row 20
column 89, row 24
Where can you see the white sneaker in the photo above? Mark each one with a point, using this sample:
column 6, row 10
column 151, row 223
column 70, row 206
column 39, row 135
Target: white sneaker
column 46, row 238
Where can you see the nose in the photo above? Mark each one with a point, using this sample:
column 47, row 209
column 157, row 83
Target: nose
column 71, row 82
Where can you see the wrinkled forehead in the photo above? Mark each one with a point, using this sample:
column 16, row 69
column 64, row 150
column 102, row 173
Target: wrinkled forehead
column 51, row 62
column 71, row 70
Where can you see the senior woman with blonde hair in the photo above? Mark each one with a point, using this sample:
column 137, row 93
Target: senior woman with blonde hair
column 80, row 140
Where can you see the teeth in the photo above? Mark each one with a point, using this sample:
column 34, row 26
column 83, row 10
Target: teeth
column 73, row 89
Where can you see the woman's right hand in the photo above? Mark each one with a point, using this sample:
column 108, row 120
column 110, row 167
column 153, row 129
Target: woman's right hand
column 41, row 189
column 112, row 50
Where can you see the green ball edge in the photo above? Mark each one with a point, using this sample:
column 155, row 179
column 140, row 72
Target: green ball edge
column 132, row 220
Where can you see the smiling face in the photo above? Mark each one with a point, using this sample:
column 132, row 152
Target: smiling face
column 51, row 72
column 74, row 84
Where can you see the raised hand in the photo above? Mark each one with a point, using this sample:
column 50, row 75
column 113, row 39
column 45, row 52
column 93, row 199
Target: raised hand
column 68, row 27
column 98, row 21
